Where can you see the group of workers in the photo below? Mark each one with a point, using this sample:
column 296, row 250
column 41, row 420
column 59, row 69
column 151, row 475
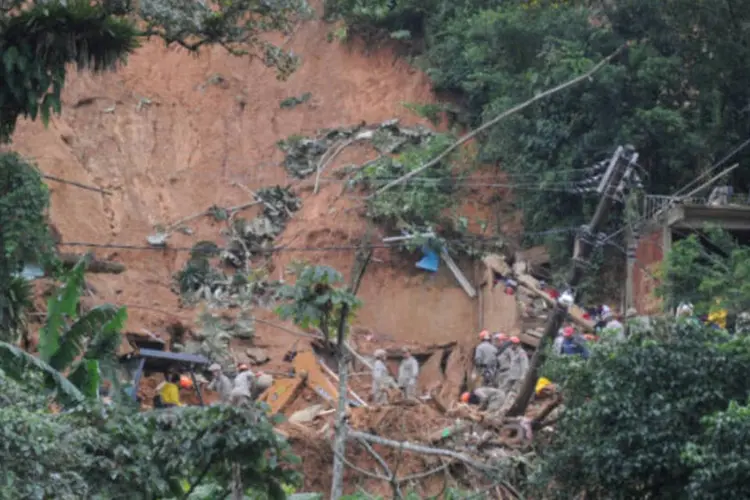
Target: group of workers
column 408, row 373
column 501, row 363
column 245, row 388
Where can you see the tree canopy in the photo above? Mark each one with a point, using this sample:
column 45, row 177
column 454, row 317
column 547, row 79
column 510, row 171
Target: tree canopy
column 679, row 94
column 39, row 39
column 709, row 269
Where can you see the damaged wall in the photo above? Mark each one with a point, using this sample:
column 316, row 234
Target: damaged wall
column 649, row 254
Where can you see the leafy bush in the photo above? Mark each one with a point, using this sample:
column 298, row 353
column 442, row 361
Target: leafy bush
column 113, row 453
column 419, row 201
column 721, row 470
column 315, row 300
column 633, row 409
column 710, row 272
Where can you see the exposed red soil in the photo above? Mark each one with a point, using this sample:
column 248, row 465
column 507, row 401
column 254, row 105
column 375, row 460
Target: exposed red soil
column 183, row 153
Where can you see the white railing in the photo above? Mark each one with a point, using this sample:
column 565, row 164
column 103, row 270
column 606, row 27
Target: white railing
column 655, row 204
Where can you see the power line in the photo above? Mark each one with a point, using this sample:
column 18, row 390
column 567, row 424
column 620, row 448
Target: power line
column 286, row 248
column 76, row 184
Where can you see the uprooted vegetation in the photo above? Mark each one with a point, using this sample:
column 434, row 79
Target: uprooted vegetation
column 203, row 276
column 423, row 204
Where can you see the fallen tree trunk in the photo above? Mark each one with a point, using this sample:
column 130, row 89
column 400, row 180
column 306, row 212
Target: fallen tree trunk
column 69, row 260
column 426, row 450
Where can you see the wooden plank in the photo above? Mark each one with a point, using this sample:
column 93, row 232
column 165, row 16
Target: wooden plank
column 470, row 291
column 574, row 312
column 335, row 377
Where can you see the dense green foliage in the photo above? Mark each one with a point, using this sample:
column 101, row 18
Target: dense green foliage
column 709, row 270
column 112, row 453
column 679, row 94
column 24, row 237
column 316, row 298
column 719, row 460
column 83, row 346
column 39, row 39
column 419, row 202
column 633, row 424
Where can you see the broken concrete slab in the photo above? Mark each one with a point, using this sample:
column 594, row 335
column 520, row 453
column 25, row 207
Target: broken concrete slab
column 257, row 355
column 306, row 415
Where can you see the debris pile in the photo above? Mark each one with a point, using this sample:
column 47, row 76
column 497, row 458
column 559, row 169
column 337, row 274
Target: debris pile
column 305, row 155
column 531, row 297
column 213, row 337
column 424, row 442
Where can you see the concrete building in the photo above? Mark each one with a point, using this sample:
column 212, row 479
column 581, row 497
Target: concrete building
column 666, row 223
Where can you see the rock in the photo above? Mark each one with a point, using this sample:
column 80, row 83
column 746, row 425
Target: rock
column 178, row 347
column 158, row 239
column 307, row 415
column 243, row 333
column 257, row 356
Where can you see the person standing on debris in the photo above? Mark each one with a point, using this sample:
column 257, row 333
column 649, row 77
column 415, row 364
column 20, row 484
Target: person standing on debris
column 408, row 372
column 489, row 399
column 262, row 382
column 504, row 360
column 169, row 392
column 519, row 365
column 220, row 383
column 570, row 346
column 380, row 379
column 242, row 392
column 502, row 342
column 485, row 358
column 613, row 328
column 557, row 345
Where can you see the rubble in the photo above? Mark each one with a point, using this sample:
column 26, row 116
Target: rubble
column 304, row 154
column 257, row 355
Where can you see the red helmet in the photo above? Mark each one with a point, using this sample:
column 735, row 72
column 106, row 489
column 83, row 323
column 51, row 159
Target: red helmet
column 515, row 340
column 484, row 335
column 568, row 331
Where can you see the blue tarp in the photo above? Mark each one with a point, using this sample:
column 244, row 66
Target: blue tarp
column 430, row 261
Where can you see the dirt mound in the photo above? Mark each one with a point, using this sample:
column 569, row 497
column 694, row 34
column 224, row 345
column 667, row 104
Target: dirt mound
column 396, row 422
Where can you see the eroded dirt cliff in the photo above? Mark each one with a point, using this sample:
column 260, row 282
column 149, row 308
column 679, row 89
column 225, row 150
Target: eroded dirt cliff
column 171, row 134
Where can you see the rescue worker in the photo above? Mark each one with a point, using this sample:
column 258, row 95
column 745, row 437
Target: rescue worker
column 504, row 360
column 242, row 392
column 262, row 382
column 169, row 392
column 557, row 345
column 502, row 342
column 489, row 399
column 685, row 310
column 519, row 365
column 220, row 383
column 485, row 358
column 380, row 377
column 569, row 345
column 614, row 329
column 408, row 372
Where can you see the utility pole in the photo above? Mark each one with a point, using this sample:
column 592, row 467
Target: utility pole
column 623, row 158
column 361, row 260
